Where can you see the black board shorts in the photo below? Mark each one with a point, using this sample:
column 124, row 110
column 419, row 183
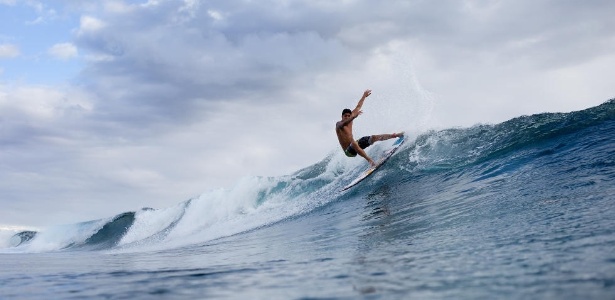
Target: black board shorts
column 363, row 142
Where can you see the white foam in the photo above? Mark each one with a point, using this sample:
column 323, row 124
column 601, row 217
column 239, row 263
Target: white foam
column 147, row 223
column 253, row 202
column 216, row 213
column 58, row 237
column 5, row 237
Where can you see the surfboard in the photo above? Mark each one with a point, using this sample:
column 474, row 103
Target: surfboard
column 385, row 157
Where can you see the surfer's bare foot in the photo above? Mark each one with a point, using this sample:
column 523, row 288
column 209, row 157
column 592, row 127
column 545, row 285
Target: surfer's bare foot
column 372, row 163
column 400, row 134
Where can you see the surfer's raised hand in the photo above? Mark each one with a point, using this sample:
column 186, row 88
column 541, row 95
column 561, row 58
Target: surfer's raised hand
column 360, row 104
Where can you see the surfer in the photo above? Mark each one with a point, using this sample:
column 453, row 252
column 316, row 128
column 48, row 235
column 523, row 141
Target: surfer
column 343, row 129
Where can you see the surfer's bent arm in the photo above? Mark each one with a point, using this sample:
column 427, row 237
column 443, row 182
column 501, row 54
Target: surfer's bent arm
column 357, row 109
column 353, row 116
column 342, row 124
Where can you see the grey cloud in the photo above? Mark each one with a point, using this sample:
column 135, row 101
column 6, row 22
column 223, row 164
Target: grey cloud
column 166, row 66
column 173, row 64
column 545, row 33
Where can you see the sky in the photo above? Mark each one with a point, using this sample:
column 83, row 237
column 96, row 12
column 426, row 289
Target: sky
column 109, row 106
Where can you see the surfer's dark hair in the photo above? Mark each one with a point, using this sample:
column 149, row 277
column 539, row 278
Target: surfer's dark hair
column 346, row 111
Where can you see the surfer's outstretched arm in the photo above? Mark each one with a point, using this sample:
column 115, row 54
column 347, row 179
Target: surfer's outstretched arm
column 357, row 109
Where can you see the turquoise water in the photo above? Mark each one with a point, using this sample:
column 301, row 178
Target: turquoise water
column 524, row 209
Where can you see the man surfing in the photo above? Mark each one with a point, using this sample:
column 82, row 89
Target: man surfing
column 343, row 129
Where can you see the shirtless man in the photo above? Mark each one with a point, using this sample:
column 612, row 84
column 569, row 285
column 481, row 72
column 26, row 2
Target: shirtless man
column 343, row 129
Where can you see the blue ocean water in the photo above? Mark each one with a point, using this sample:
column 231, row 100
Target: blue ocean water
column 524, row 209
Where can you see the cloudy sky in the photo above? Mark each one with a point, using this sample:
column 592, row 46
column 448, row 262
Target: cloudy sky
column 109, row 106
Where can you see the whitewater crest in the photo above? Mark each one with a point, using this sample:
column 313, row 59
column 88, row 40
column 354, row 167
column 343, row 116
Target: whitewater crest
column 255, row 202
column 252, row 203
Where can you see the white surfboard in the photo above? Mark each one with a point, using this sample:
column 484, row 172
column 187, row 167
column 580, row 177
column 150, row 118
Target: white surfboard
column 371, row 170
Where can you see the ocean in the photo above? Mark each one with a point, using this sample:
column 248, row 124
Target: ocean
column 524, row 209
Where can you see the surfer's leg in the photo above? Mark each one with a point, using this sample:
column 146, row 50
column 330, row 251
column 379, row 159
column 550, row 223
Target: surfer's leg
column 384, row 137
column 362, row 153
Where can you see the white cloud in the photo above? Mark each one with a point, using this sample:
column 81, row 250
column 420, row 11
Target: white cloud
column 117, row 7
column 39, row 103
column 90, row 24
column 63, row 51
column 216, row 15
column 9, row 51
column 44, row 13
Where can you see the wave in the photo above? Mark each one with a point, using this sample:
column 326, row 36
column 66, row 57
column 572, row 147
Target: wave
column 459, row 147
column 255, row 202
